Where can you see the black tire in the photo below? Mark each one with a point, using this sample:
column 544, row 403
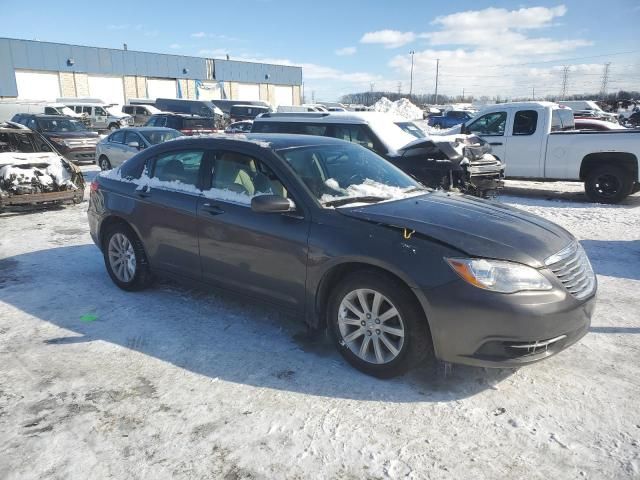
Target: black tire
column 113, row 126
column 608, row 184
column 416, row 347
column 141, row 277
column 104, row 163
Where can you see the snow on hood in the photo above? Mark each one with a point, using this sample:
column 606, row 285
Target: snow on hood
column 35, row 164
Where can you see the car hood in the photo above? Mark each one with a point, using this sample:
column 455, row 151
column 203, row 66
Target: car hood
column 477, row 228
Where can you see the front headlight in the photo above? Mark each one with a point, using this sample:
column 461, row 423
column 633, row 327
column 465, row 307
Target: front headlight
column 498, row 275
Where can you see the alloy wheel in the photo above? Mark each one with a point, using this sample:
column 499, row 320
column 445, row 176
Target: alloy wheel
column 371, row 326
column 122, row 257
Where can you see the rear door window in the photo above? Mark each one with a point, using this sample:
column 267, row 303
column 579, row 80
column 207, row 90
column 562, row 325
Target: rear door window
column 127, row 109
column 525, row 122
column 354, row 134
column 181, row 168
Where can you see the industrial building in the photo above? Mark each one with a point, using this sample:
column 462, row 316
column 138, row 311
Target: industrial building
column 37, row 70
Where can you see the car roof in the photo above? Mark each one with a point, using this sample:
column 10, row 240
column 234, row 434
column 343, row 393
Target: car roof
column 177, row 114
column 274, row 141
column 45, row 116
column 147, row 129
column 323, row 117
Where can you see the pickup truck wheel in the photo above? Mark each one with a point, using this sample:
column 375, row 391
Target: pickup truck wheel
column 377, row 324
column 104, row 163
column 125, row 258
column 608, row 184
column 113, row 127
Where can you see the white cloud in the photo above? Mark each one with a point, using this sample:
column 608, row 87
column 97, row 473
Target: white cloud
column 484, row 52
column 175, row 46
column 212, row 52
column 198, row 35
column 346, row 51
column 388, row 38
column 121, row 26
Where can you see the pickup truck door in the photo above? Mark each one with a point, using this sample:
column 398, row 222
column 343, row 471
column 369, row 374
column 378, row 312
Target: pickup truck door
column 524, row 143
column 492, row 128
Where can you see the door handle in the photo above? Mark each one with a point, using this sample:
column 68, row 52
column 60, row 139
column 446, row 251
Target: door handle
column 212, row 209
column 495, row 143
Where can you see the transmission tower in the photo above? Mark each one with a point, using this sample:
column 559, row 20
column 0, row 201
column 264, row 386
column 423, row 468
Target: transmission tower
column 399, row 88
column 565, row 78
column 605, row 80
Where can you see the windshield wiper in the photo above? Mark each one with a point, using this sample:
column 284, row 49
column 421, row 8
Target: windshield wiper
column 346, row 200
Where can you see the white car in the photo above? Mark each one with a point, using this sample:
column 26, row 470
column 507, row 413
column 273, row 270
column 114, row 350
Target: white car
column 538, row 141
column 114, row 149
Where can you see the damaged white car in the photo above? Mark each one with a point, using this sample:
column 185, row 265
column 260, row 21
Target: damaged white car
column 32, row 172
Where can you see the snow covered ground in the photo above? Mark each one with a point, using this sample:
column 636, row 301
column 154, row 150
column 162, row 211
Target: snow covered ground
column 178, row 383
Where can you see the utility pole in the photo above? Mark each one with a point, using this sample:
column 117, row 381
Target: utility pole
column 565, row 78
column 462, row 101
column 605, row 80
column 533, row 93
column 412, row 53
column 372, row 85
column 313, row 96
column 399, row 88
column 437, row 71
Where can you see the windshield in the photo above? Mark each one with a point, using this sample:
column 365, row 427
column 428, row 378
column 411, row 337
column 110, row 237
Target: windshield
column 337, row 173
column 60, row 125
column 411, row 128
column 114, row 110
column 160, row 136
column 20, row 142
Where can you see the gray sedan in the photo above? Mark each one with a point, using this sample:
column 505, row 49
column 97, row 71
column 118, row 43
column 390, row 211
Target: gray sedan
column 341, row 238
column 123, row 144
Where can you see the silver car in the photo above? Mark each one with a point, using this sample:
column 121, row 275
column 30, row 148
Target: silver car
column 123, row 144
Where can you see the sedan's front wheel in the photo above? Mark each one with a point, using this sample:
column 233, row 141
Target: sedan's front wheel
column 377, row 324
column 125, row 259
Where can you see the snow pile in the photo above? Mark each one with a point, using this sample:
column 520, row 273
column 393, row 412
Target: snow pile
column 401, row 108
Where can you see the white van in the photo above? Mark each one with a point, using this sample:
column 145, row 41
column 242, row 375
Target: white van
column 103, row 115
column 9, row 108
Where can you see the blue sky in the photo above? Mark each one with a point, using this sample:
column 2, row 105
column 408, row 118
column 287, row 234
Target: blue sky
column 488, row 48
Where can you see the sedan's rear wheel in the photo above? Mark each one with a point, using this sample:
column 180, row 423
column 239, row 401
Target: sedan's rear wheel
column 125, row 259
column 377, row 324
column 104, row 163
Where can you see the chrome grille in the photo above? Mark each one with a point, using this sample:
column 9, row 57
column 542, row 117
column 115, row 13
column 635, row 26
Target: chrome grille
column 82, row 142
column 572, row 267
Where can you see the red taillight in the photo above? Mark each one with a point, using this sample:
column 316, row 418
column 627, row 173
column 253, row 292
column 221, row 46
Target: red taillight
column 95, row 186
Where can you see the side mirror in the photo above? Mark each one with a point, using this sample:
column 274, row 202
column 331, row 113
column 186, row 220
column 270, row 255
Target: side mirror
column 464, row 130
column 134, row 145
column 271, row 204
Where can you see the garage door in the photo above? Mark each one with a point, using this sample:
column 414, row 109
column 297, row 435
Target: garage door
column 161, row 88
column 248, row 91
column 108, row 89
column 284, row 95
column 37, row 85
column 209, row 91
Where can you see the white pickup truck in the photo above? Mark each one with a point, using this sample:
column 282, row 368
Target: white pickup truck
column 537, row 141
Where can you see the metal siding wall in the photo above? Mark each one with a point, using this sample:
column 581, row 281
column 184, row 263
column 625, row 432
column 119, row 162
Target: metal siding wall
column 46, row 56
column 234, row 71
column 8, row 86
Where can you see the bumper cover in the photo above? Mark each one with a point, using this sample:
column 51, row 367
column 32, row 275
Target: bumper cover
column 481, row 328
